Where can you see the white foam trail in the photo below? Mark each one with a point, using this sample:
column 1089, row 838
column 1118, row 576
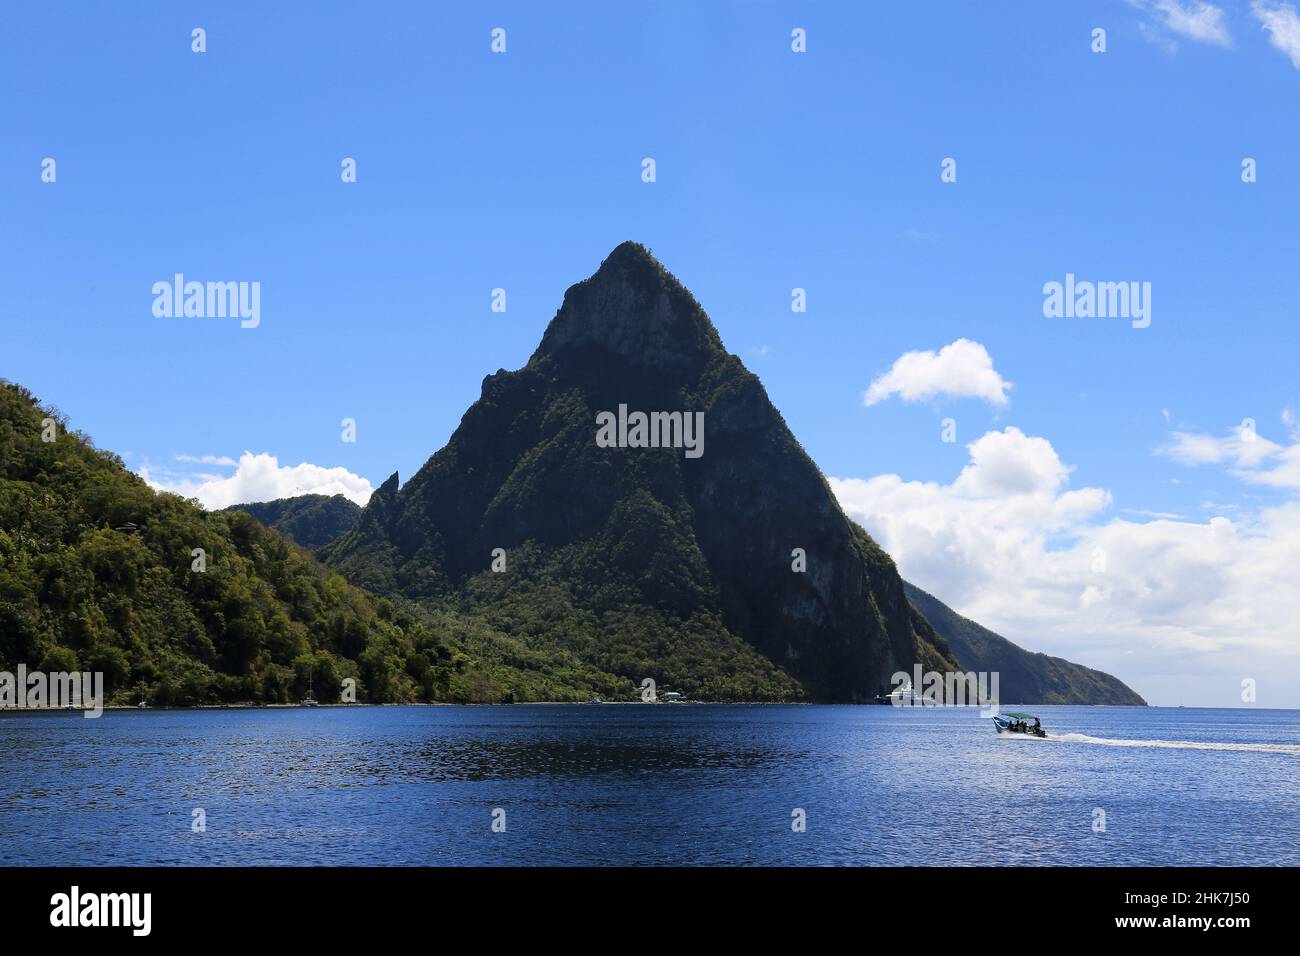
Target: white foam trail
column 1291, row 749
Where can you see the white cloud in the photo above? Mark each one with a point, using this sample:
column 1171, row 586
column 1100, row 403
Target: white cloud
column 1147, row 513
column 258, row 477
column 961, row 369
column 1285, row 472
column 1010, row 462
column 1242, row 447
column 1282, row 24
column 1251, row 456
column 1191, row 19
column 1172, row 606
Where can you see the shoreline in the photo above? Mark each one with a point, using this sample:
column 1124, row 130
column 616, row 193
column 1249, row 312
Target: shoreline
column 415, row 703
column 560, row 703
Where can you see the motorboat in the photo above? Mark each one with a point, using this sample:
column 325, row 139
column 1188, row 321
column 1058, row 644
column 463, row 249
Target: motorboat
column 1014, row 723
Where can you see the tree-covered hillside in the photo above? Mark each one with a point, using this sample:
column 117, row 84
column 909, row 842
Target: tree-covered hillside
column 311, row 521
column 99, row 572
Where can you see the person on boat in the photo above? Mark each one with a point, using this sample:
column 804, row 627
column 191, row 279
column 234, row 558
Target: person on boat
column 1038, row 727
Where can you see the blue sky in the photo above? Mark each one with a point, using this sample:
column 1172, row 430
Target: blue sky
column 775, row 170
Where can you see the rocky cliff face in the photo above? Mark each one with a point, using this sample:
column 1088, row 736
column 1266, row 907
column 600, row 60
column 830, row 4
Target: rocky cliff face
column 704, row 551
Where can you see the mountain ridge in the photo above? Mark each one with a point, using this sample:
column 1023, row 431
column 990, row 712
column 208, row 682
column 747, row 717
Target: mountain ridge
column 1024, row 676
column 311, row 521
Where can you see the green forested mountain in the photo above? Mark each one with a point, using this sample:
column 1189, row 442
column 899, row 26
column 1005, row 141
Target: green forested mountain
column 644, row 561
column 97, row 572
column 1023, row 676
column 311, row 521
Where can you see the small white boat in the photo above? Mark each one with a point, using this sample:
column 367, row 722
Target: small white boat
column 905, row 696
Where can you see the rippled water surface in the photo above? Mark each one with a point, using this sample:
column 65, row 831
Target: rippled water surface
column 667, row 784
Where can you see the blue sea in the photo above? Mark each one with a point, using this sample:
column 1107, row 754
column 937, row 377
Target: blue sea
column 641, row 784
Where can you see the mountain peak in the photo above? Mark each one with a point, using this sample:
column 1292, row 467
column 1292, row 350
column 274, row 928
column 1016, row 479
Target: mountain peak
column 631, row 253
column 379, row 508
column 634, row 309
column 634, row 558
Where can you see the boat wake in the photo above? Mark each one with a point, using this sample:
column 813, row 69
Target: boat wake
column 1290, row 749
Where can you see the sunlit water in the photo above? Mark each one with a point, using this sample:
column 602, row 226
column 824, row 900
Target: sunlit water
column 639, row 784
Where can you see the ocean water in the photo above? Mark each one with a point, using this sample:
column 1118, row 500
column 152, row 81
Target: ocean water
column 639, row 784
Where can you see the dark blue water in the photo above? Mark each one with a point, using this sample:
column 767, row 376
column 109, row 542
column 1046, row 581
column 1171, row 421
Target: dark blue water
column 639, row 784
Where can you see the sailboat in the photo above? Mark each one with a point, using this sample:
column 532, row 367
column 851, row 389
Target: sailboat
column 310, row 700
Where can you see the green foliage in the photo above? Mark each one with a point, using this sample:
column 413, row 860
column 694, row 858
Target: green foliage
column 534, row 627
column 311, row 521
column 261, row 623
